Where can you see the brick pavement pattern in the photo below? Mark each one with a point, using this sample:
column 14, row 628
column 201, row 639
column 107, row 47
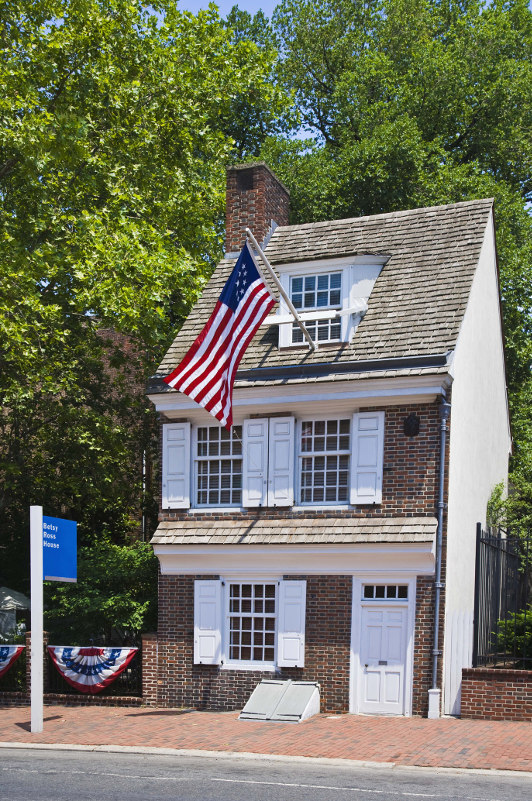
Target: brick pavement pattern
column 451, row 743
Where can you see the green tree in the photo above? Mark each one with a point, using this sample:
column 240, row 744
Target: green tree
column 408, row 103
column 113, row 600
column 112, row 162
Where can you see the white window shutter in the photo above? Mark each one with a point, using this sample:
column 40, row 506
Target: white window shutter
column 255, row 462
column 281, row 462
column 207, row 622
column 367, row 457
column 291, row 624
column 176, row 466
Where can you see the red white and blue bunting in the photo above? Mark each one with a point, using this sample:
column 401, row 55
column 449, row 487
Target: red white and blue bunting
column 91, row 669
column 8, row 656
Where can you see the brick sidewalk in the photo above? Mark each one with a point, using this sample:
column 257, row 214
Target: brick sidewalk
column 404, row 741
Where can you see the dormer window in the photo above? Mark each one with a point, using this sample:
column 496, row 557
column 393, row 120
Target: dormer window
column 319, row 291
column 331, row 297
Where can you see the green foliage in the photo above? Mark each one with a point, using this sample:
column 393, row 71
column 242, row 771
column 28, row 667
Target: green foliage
column 399, row 116
column 113, row 600
column 514, row 635
column 112, row 166
column 495, row 513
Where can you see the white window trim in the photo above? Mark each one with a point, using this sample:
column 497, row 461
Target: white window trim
column 285, row 330
column 298, row 503
column 236, row 664
column 351, row 296
column 194, row 505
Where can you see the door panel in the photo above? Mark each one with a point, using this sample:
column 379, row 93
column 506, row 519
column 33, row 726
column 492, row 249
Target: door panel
column 383, row 639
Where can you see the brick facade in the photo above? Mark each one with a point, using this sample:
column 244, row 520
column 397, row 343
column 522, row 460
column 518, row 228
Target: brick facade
column 496, row 694
column 180, row 683
column 410, row 476
column 410, row 488
column 255, row 197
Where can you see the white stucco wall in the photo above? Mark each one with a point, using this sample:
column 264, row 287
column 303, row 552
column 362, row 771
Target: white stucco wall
column 479, row 450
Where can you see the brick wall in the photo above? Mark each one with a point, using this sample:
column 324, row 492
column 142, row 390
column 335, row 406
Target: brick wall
column 180, row 683
column 327, row 636
column 495, row 694
column 149, row 668
column 410, row 487
column 410, row 477
column 254, row 198
column 423, row 642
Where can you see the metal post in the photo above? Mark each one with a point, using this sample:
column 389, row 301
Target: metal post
column 36, row 571
column 477, row 597
column 435, row 691
column 277, row 283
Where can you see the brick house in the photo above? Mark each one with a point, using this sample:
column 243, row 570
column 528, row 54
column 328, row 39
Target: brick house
column 308, row 542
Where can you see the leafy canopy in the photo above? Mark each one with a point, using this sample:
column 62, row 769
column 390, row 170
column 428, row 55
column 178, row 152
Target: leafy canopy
column 113, row 146
column 409, row 103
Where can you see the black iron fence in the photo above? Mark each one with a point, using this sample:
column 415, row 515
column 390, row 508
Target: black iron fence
column 503, row 601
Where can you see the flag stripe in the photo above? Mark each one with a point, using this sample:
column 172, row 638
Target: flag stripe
column 207, row 371
column 90, row 669
column 219, row 346
column 218, row 362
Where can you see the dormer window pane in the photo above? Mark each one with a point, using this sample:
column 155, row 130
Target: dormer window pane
column 321, row 291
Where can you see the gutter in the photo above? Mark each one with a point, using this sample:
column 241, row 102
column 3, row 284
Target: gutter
column 435, row 691
column 156, row 383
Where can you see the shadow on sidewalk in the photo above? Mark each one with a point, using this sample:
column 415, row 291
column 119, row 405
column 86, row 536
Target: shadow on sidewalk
column 27, row 726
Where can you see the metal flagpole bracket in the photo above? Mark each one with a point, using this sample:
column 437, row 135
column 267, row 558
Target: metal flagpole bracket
column 282, row 292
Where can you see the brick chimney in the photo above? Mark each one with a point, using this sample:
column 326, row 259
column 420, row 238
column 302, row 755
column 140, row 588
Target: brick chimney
column 255, row 199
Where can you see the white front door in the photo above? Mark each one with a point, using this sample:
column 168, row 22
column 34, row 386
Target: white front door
column 383, row 640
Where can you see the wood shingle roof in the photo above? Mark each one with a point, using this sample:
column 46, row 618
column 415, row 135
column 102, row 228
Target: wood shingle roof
column 418, row 301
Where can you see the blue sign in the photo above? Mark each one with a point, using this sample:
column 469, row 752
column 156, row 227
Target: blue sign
column 59, row 549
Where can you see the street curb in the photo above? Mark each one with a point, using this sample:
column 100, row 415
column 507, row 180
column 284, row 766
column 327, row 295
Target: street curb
column 235, row 755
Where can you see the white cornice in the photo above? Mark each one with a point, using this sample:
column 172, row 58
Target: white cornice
column 417, row 558
column 309, row 397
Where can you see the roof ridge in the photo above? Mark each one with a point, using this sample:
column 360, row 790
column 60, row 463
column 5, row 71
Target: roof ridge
column 391, row 214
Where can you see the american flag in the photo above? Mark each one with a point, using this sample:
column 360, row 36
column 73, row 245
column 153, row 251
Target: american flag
column 207, row 372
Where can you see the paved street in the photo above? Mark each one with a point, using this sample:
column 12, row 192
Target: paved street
column 452, row 743
column 34, row 775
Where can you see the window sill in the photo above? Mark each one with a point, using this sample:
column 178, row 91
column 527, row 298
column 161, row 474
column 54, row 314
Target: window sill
column 243, row 666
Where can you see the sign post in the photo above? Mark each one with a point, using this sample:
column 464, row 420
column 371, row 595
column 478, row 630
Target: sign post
column 53, row 557
column 36, row 559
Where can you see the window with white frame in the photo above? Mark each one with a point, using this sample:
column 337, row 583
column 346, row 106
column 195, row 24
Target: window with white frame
column 218, row 466
column 385, row 592
column 335, row 461
column 319, row 291
column 324, row 461
column 249, row 623
column 330, row 295
column 252, row 622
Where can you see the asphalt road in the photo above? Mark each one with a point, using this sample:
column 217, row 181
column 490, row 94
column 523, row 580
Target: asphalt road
column 35, row 775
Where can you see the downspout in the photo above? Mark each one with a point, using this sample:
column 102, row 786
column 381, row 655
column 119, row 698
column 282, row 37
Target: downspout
column 435, row 691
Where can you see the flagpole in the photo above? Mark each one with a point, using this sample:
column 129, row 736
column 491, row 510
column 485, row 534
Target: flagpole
column 284, row 295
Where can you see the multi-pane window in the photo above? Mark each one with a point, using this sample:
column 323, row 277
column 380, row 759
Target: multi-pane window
column 324, row 461
column 252, row 615
column 385, row 592
column 321, row 291
column 219, row 466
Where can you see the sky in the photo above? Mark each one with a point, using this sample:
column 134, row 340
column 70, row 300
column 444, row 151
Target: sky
column 225, row 6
